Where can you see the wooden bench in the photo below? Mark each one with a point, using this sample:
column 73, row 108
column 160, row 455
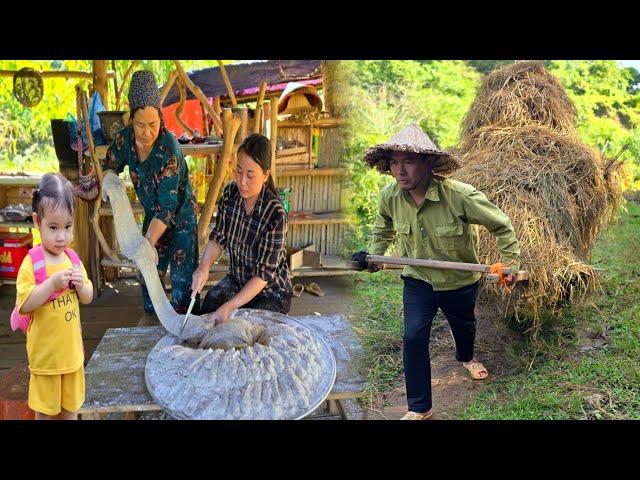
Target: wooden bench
column 115, row 381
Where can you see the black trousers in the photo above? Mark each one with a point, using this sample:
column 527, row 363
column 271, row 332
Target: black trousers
column 421, row 304
column 226, row 288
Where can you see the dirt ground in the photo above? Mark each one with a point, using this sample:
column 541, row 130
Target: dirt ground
column 452, row 387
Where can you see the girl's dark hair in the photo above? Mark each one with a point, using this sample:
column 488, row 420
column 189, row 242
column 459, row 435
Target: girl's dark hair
column 258, row 147
column 55, row 191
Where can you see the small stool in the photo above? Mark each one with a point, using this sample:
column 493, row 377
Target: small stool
column 14, row 392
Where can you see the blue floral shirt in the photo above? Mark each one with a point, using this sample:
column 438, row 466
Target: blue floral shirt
column 161, row 181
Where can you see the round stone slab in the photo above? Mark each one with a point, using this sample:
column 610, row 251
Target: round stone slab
column 286, row 376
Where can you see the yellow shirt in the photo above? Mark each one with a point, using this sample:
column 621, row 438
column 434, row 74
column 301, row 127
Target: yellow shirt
column 54, row 337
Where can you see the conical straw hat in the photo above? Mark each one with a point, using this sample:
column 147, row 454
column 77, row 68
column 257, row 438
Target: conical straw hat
column 410, row 139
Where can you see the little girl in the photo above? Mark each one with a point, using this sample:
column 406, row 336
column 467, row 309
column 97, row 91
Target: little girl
column 54, row 339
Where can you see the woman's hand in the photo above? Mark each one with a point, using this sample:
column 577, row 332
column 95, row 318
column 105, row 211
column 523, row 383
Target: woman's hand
column 221, row 315
column 155, row 251
column 199, row 278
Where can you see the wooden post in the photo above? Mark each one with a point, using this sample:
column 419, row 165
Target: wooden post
column 218, row 110
column 125, row 80
column 274, row 136
column 198, row 93
column 178, row 111
column 244, row 123
column 100, row 80
column 230, row 125
column 167, row 86
column 205, row 122
column 115, row 82
column 232, row 95
column 257, row 121
column 96, row 164
column 243, row 114
column 335, row 85
column 266, row 119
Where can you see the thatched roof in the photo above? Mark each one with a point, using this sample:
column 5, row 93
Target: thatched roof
column 246, row 78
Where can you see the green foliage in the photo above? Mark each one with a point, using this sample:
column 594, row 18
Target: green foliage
column 597, row 376
column 436, row 95
column 26, row 142
column 379, row 323
column 388, row 95
column 607, row 106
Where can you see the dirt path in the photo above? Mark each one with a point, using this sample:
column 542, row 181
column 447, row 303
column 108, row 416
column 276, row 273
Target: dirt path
column 452, row 387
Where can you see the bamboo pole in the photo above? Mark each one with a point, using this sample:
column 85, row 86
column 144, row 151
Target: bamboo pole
column 59, row 74
column 266, row 119
column 178, row 111
column 125, row 78
column 274, row 136
column 115, row 83
column 100, row 80
column 198, row 93
column 95, row 220
column 232, row 95
column 218, row 110
column 205, row 123
column 257, row 121
column 230, row 125
column 167, row 86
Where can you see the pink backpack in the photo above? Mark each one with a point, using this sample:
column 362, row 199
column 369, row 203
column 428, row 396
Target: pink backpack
column 20, row 321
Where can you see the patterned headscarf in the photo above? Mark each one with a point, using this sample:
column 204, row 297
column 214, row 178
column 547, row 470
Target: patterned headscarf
column 143, row 91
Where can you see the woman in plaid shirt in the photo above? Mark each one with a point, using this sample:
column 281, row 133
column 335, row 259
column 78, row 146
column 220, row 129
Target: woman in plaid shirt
column 252, row 224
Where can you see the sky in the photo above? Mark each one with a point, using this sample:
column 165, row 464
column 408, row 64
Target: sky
column 631, row 63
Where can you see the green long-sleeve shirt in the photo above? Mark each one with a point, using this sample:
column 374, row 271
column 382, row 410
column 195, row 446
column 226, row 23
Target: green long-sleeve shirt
column 443, row 227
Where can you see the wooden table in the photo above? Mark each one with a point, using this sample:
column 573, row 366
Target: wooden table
column 115, row 373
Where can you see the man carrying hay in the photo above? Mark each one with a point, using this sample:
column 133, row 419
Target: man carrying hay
column 433, row 217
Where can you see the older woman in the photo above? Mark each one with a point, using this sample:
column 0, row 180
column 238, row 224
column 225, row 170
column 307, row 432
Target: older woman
column 252, row 224
column 159, row 174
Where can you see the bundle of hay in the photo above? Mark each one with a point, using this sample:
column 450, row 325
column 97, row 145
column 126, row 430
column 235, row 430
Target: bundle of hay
column 520, row 94
column 519, row 146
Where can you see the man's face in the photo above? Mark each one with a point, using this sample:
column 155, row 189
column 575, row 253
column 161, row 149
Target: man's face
column 409, row 169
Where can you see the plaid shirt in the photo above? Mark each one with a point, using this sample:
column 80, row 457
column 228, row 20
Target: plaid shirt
column 255, row 242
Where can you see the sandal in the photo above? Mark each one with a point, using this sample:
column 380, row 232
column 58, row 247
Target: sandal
column 475, row 369
column 298, row 288
column 417, row 416
column 315, row 289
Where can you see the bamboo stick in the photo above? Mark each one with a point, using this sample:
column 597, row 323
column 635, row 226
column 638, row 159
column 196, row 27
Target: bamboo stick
column 440, row 264
column 178, row 111
column 205, row 123
column 257, row 121
column 198, row 93
column 231, row 124
column 125, row 78
column 100, row 83
column 96, row 164
column 167, row 86
column 273, row 138
column 115, row 84
column 244, row 123
column 227, row 83
column 218, row 110
column 59, row 74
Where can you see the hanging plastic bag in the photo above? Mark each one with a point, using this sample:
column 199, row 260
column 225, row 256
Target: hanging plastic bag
column 94, row 123
column 94, row 120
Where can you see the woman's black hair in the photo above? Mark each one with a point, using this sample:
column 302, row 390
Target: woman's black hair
column 258, row 147
column 53, row 190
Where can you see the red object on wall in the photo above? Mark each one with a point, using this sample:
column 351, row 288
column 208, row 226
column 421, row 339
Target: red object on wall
column 13, row 248
column 14, row 392
column 191, row 115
